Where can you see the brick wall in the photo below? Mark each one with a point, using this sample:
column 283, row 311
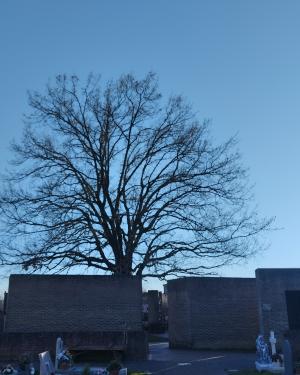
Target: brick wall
column 213, row 313
column 179, row 313
column 13, row 345
column 73, row 303
column 271, row 286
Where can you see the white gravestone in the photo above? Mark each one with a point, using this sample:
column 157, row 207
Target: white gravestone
column 46, row 365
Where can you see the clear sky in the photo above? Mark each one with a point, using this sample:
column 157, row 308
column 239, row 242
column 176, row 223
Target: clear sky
column 238, row 62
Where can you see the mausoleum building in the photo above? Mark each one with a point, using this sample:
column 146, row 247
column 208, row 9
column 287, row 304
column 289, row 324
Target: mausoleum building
column 229, row 313
column 89, row 313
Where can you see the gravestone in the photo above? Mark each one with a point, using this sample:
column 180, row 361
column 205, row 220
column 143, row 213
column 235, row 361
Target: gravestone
column 46, row 365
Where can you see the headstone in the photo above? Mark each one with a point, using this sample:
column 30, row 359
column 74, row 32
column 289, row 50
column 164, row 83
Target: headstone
column 288, row 358
column 273, row 341
column 46, row 365
column 58, row 351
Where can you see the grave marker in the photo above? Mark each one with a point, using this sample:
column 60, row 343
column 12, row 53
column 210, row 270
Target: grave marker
column 46, row 365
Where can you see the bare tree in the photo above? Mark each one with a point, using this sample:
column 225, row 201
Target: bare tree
column 125, row 182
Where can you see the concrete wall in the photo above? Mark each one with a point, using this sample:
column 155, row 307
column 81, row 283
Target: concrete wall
column 271, row 286
column 213, row 313
column 73, row 303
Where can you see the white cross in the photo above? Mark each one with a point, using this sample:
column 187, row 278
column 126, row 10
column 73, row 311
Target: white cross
column 59, row 349
column 273, row 341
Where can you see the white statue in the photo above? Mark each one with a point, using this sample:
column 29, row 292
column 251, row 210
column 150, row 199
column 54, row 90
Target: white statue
column 264, row 361
column 262, row 350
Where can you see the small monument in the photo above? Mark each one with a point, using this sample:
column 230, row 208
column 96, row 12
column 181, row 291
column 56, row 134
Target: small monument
column 264, row 359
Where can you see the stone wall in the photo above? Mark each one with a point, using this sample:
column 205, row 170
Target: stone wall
column 213, row 313
column 73, row 303
column 272, row 285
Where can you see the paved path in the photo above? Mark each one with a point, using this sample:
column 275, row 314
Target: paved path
column 165, row 361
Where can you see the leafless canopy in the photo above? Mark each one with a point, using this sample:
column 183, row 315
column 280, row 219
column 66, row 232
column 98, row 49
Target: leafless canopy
column 125, row 182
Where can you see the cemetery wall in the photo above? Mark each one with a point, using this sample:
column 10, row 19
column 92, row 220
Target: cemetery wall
column 179, row 313
column 213, row 313
column 13, row 345
column 272, row 285
column 73, row 303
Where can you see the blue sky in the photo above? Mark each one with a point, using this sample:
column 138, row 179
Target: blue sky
column 238, row 63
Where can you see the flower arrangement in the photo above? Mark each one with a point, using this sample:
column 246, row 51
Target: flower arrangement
column 277, row 358
column 8, row 370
